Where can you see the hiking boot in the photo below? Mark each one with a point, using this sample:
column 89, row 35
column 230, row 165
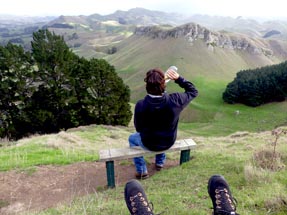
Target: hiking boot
column 136, row 199
column 142, row 176
column 158, row 167
column 222, row 200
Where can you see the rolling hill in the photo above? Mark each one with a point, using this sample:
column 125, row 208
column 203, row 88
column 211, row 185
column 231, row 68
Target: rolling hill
column 210, row 60
column 197, row 51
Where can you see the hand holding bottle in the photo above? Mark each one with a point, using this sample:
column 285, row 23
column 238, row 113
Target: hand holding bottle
column 171, row 74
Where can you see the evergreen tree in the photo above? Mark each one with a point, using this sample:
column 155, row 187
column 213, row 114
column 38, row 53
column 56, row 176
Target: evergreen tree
column 53, row 89
column 258, row 86
column 49, row 105
column 16, row 87
column 101, row 92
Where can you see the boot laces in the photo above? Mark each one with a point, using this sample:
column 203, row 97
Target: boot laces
column 140, row 205
column 225, row 203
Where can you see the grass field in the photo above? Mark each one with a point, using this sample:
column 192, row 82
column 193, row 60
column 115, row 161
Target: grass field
column 210, row 116
column 257, row 181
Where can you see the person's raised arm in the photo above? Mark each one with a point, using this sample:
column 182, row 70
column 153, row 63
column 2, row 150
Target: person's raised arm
column 187, row 85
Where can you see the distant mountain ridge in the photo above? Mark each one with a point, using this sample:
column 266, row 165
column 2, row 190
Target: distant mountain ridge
column 135, row 16
column 102, row 35
column 192, row 32
column 86, row 31
column 141, row 16
column 248, row 26
column 145, row 17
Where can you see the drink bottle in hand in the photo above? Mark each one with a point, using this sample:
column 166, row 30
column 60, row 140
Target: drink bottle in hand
column 174, row 68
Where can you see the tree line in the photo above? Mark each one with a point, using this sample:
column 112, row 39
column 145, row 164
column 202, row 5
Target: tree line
column 259, row 86
column 50, row 88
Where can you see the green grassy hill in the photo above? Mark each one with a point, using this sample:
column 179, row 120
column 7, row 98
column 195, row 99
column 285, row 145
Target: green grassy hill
column 137, row 54
column 209, row 70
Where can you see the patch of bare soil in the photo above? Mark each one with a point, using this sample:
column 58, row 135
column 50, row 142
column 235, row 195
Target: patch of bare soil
column 51, row 185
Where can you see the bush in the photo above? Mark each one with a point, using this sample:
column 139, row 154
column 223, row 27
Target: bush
column 258, row 86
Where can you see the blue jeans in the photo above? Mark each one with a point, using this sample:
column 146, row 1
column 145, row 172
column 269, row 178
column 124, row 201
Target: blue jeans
column 135, row 140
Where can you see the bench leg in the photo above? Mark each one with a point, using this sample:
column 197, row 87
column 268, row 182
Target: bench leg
column 110, row 174
column 184, row 156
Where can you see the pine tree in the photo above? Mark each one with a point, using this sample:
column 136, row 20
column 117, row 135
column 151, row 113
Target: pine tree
column 258, row 86
column 16, row 87
column 53, row 89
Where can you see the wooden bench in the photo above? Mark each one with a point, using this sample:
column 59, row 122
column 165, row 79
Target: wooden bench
column 110, row 155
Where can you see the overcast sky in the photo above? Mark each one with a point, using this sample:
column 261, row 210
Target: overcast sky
column 234, row 8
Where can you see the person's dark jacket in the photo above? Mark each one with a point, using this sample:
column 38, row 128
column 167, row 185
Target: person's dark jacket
column 156, row 118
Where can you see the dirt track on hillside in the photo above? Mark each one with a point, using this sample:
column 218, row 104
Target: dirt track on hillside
column 52, row 185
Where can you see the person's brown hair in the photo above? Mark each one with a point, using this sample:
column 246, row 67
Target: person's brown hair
column 155, row 83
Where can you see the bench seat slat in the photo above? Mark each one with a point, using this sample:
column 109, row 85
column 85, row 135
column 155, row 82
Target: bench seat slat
column 125, row 153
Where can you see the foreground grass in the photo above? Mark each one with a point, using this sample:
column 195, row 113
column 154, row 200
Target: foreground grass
column 183, row 189
column 33, row 154
column 75, row 145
